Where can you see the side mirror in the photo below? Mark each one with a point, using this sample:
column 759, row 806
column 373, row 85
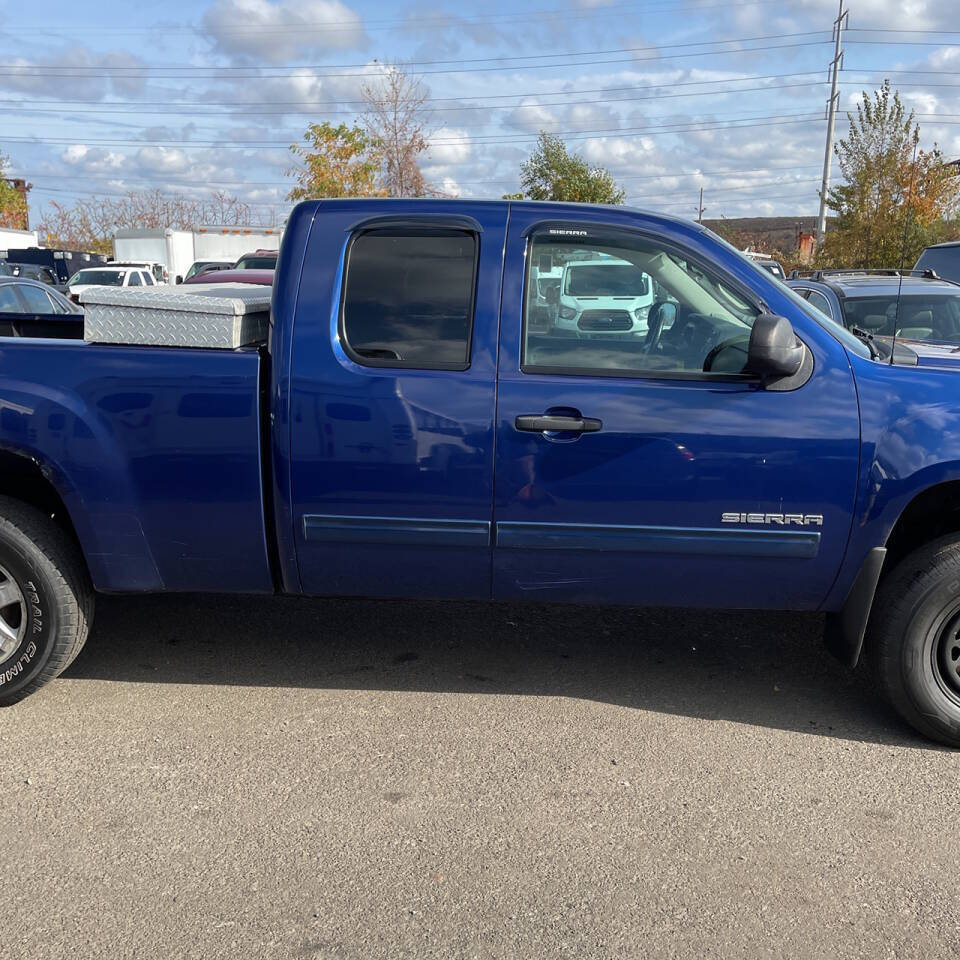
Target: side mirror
column 178, row 279
column 774, row 351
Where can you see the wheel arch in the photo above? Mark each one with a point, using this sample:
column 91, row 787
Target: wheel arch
column 933, row 512
column 26, row 479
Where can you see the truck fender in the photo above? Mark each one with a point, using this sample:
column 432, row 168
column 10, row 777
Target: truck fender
column 115, row 547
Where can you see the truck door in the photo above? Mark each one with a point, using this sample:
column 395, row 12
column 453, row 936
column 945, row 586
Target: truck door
column 392, row 399
column 636, row 463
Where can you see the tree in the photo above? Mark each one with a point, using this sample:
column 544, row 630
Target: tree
column 91, row 223
column 395, row 118
column 13, row 204
column 895, row 196
column 334, row 162
column 552, row 173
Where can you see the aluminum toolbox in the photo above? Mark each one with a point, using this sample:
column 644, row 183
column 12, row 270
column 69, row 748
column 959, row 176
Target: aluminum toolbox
column 215, row 315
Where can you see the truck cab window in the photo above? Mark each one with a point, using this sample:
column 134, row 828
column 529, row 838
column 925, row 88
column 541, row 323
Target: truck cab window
column 625, row 306
column 408, row 298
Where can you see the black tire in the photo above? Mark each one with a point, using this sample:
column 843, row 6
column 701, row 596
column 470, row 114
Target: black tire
column 915, row 638
column 50, row 620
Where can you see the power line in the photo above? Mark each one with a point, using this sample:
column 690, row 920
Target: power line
column 117, row 178
column 685, row 127
column 119, row 69
column 54, row 72
column 442, row 21
column 500, row 106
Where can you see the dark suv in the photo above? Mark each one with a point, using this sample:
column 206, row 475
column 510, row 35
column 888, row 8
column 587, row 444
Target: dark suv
column 914, row 305
column 943, row 258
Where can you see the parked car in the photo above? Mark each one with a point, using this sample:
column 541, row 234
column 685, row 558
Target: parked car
column 110, row 275
column 915, row 306
column 768, row 264
column 405, row 431
column 604, row 296
column 258, row 260
column 32, row 309
column 206, row 266
column 62, row 264
column 264, row 277
column 157, row 270
column 943, row 259
column 33, row 271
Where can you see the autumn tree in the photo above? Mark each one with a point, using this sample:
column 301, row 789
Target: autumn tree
column 13, row 204
column 553, row 173
column 334, row 162
column 895, row 196
column 91, row 223
column 395, row 118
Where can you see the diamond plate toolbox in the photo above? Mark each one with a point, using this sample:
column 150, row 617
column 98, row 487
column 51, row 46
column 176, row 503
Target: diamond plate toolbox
column 216, row 315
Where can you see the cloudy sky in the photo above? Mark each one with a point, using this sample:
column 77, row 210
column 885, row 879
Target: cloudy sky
column 670, row 95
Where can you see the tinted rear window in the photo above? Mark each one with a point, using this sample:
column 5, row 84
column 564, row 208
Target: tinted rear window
column 944, row 260
column 408, row 298
column 256, row 263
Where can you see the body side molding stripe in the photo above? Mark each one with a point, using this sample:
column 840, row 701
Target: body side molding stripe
column 726, row 541
column 319, row 528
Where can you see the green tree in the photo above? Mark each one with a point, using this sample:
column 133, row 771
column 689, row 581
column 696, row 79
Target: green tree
column 895, row 197
column 13, row 206
column 553, row 173
column 334, row 162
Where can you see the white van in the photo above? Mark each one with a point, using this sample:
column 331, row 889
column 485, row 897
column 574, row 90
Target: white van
column 603, row 297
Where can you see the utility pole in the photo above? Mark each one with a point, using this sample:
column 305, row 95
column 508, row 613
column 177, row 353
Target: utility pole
column 836, row 64
column 700, row 208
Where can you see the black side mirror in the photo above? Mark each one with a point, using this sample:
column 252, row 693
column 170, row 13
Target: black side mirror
column 178, row 279
column 774, row 351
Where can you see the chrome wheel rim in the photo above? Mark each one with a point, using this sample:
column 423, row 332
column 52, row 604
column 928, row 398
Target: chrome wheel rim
column 13, row 615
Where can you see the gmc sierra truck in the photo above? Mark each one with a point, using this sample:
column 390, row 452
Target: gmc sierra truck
column 406, row 430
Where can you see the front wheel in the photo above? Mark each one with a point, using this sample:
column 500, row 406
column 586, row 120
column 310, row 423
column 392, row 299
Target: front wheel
column 915, row 634
column 46, row 601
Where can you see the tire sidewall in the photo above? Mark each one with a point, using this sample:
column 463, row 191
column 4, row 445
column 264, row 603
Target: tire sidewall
column 25, row 564
column 919, row 653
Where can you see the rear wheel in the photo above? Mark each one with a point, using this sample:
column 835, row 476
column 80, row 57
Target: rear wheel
column 915, row 634
column 46, row 601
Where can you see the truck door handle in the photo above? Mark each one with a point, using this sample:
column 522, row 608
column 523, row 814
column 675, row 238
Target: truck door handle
column 550, row 423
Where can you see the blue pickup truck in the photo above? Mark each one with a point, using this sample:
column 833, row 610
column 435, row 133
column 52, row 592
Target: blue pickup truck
column 418, row 423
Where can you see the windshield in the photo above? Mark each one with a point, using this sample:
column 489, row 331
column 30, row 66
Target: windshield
column 100, row 278
column 601, row 280
column 773, row 267
column 919, row 317
column 837, row 330
column 256, row 263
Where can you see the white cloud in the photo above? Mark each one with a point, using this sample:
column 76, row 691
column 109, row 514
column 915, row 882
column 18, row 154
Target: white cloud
column 445, row 154
column 86, row 74
column 93, row 158
column 277, row 31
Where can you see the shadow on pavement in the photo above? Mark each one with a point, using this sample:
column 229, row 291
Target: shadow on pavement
column 769, row 669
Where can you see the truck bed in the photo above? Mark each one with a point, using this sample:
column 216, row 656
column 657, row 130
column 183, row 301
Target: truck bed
column 156, row 453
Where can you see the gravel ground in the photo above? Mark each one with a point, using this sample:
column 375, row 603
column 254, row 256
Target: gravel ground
column 244, row 778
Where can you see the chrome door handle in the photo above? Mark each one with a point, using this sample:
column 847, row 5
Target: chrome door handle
column 548, row 423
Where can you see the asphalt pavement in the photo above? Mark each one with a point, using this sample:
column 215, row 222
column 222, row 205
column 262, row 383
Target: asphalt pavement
column 241, row 778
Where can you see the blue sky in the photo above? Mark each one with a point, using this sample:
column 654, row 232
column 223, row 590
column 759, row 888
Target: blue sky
column 195, row 97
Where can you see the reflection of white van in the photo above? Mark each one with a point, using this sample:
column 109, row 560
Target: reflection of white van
column 605, row 296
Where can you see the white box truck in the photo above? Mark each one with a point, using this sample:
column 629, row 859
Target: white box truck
column 177, row 250
column 16, row 240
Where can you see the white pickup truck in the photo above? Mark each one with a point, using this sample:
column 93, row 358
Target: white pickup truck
column 604, row 297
